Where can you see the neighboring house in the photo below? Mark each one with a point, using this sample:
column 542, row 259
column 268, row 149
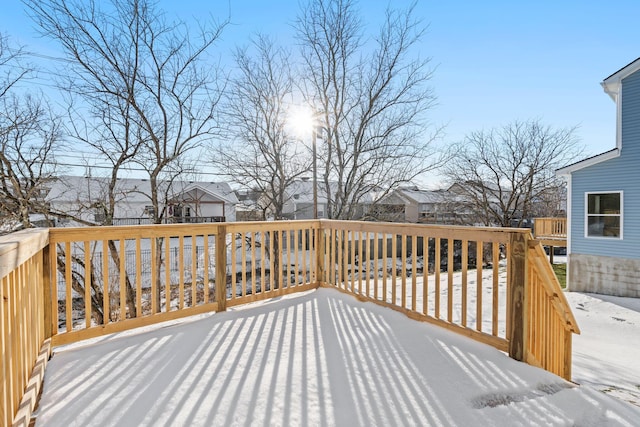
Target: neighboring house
column 182, row 201
column 201, row 202
column 299, row 200
column 395, row 207
column 248, row 208
column 474, row 195
column 604, row 201
column 411, row 204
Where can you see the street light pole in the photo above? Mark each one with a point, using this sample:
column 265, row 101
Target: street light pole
column 314, row 136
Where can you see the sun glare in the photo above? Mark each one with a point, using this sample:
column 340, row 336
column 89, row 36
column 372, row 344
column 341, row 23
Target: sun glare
column 301, row 121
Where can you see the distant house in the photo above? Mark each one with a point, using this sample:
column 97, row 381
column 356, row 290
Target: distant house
column 299, row 200
column 475, row 196
column 411, row 204
column 248, row 208
column 392, row 208
column 604, row 201
column 181, row 202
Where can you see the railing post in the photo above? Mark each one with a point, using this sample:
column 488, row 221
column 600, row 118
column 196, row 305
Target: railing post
column 46, row 291
column 518, row 296
column 568, row 350
column 221, row 267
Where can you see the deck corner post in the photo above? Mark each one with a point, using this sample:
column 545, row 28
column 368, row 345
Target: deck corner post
column 517, row 297
column 221, row 267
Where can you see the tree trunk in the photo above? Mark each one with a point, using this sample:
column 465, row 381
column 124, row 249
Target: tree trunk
column 131, row 296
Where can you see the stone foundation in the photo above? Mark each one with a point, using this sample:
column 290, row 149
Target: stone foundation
column 604, row 275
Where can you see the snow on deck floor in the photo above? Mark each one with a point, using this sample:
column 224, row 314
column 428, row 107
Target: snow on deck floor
column 319, row 358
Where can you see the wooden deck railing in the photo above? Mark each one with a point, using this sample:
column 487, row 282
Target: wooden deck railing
column 550, row 228
column 153, row 273
column 494, row 286
column 24, row 322
column 548, row 315
column 458, row 289
column 491, row 284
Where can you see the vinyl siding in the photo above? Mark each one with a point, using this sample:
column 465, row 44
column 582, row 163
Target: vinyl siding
column 618, row 174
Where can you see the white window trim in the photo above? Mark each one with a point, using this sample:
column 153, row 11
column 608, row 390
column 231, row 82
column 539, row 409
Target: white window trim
column 586, row 215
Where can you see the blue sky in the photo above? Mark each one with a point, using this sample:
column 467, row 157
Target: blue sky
column 495, row 61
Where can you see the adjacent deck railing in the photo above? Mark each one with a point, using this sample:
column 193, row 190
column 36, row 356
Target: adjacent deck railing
column 553, row 230
column 69, row 284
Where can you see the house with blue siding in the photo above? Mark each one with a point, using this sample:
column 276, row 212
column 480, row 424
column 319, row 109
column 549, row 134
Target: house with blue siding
column 604, row 201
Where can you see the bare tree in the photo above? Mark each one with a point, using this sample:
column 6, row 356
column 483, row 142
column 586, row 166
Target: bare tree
column 372, row 97
column 145, row 83
column 505, row 173
column 261, row 151
column 551, row 201
column 29, row 137
column 12, row 70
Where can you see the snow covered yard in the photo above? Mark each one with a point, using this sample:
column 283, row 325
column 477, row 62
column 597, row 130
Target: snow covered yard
column 606, row 356
column 323, row 358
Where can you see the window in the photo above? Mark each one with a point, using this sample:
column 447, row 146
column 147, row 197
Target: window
column 604, row 215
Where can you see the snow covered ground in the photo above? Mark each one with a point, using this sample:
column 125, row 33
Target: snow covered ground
column 606, row 356
column 323, row 358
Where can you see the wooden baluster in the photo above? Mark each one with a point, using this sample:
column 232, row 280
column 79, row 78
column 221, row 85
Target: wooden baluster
column 221, row 267
column 403, row 271
column 87, row 285
column 437, row 279
column 465, row 261
column 123, row 280
column 205, row 267
column 414, row 271
column 450, row 250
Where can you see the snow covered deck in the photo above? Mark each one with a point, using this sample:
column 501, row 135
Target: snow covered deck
column 315, row 358
column 63, row 286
